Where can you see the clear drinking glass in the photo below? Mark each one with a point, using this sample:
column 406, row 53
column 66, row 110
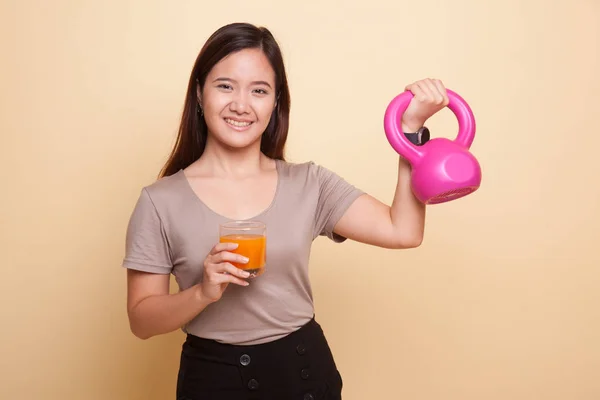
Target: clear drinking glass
column 251, row 237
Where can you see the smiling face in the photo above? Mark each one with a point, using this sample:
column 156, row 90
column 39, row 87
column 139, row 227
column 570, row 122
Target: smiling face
column 238, row 98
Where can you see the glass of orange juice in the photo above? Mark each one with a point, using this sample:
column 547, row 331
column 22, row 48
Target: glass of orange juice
column 251, row 237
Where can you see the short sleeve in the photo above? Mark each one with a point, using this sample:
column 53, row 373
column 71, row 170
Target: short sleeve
column 146, row 244
column 335, row 197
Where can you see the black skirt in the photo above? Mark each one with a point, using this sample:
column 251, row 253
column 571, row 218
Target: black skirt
column 299, row 366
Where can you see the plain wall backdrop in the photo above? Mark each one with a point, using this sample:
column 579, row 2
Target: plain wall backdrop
column 500, row 302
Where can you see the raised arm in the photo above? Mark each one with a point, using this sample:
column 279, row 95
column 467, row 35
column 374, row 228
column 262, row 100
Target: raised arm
column 402, row 224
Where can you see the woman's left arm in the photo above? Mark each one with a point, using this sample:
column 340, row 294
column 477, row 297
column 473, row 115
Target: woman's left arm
column 402, row 224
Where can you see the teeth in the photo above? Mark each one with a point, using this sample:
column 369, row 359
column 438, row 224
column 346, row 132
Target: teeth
column 237, row 123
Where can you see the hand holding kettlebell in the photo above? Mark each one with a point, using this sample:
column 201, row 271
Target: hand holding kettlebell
column 429, row 97
column 442, row 169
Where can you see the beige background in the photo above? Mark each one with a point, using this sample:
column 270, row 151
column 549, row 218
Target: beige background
column 500, row 302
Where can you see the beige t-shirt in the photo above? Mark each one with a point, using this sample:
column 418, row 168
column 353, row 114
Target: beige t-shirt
column 171, row 231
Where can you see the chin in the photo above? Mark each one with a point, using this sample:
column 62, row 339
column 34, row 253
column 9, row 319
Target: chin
column 240, row 138
column 237, row 137
column 237, row 140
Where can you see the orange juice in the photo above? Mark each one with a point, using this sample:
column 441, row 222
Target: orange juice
column 252, row 246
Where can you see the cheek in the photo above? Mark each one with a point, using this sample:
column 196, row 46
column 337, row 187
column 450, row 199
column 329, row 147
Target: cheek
column 215, row 104
column 265, row 111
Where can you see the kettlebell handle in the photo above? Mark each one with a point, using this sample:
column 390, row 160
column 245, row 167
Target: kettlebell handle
column 393, row 124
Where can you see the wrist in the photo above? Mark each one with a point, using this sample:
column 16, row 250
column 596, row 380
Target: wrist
column 411, row 126
column 199, row 295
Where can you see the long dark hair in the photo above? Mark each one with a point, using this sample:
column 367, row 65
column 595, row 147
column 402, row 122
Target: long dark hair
column 191, row 138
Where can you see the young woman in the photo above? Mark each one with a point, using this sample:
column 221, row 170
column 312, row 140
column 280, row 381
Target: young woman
column 251, row 338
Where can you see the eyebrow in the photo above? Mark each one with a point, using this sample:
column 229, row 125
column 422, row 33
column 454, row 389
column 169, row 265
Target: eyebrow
column 223, row 79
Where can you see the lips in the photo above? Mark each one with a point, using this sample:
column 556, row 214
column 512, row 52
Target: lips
column 238, row 123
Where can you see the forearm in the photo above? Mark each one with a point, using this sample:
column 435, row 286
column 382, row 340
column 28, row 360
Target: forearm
column 160, row 314
column 407, row 212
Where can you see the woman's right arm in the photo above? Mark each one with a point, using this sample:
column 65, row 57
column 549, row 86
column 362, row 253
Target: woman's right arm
column 152, row 310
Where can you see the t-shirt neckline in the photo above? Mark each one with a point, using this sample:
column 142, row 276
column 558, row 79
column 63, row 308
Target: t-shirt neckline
column 278, row 168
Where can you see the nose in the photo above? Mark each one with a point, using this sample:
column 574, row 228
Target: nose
column 239, row 103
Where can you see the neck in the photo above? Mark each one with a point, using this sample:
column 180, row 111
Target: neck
column 229, row 162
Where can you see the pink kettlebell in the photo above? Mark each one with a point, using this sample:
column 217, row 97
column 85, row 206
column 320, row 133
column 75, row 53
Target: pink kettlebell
column 442, row 169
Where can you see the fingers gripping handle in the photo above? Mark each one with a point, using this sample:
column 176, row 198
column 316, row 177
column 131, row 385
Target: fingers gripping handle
column 396, row 138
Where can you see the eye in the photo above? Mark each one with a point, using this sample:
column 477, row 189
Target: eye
column 224, row 86
column 261, row 91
